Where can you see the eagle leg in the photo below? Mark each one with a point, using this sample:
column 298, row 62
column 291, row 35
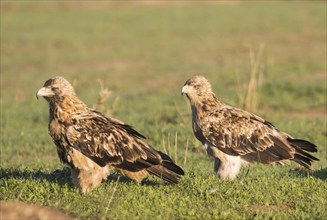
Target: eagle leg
column 225, row 166
column 87, row 180
column 217, row 164
column 86, row 174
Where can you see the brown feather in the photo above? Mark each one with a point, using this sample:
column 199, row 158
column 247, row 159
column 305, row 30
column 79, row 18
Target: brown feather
column 98, row 141
column 237, row 132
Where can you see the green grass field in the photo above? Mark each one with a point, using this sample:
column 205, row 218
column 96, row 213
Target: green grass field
column 144, row 52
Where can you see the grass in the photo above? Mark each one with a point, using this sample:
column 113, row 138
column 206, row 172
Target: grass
column 143, row 53
column 251, row 99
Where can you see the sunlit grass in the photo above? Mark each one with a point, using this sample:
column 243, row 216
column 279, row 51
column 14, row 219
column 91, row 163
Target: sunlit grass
column 143, row 54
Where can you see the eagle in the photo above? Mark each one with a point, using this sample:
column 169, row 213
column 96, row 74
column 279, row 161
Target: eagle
column 234, row 137
column 93, row 144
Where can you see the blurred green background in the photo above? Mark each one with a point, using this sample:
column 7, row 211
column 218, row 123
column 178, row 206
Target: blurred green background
column 144, row 52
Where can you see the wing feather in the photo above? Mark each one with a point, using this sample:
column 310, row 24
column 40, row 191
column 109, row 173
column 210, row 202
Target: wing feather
column 237, row 132
column 106, row 140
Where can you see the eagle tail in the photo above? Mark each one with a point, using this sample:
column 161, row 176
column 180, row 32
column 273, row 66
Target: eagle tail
column 302, row 147
column 165, row 174
column 167, row 170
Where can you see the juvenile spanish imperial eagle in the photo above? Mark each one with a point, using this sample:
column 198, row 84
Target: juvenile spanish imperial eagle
column 234, row 137
column 93, row 144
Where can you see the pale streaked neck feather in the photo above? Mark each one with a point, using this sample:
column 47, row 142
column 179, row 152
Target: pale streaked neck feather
column 64, row 108
column 205, row 102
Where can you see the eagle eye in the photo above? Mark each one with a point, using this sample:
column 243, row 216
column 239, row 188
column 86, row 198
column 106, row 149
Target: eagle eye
column 55, row 88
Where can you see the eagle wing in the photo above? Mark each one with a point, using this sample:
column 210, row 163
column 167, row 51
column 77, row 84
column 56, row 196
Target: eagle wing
column 240, row 133
column 109, row 141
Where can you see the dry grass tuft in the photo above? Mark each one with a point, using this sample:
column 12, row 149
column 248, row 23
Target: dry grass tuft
column 250, row 100
column 104, row 95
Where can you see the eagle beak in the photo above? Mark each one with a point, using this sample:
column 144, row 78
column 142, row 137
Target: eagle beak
column 185, row 89
column 44, row 92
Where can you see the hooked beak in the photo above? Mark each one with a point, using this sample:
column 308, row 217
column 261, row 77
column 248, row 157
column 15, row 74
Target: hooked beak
column 185, row 89
column 44, row 92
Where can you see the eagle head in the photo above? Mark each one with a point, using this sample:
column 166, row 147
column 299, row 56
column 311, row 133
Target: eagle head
column 196, row 86
column 56, row 87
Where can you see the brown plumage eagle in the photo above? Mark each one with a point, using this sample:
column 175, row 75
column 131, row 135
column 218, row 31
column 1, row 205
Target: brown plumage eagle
column 234, row 136
column 93, row 144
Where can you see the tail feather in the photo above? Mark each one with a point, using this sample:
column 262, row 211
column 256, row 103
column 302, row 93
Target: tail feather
column 173, row 167
column 165, row 174
column 167, row 170
column 300, row 160
column 303, row 144
column 301, row 156
column 170, row 165
column 305, row 154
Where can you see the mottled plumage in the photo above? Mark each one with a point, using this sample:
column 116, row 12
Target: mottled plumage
column 234, row 136
column 94, row 144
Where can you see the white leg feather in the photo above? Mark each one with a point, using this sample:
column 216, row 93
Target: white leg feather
column 87, row 175
column 225, row 166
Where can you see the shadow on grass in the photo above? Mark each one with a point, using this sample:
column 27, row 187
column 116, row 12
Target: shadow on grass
column 319, row 174
column 58, row 176
column 61, row 177
column 113, row 177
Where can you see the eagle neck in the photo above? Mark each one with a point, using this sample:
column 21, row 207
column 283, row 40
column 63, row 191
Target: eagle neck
column 64, row 108
column 206, row 103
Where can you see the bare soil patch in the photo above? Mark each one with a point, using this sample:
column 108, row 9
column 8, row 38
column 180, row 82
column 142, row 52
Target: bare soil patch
column 19, row 210
column 269, row 207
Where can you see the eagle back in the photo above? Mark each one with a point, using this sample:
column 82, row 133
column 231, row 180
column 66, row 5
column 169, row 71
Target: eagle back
column 106, row 140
